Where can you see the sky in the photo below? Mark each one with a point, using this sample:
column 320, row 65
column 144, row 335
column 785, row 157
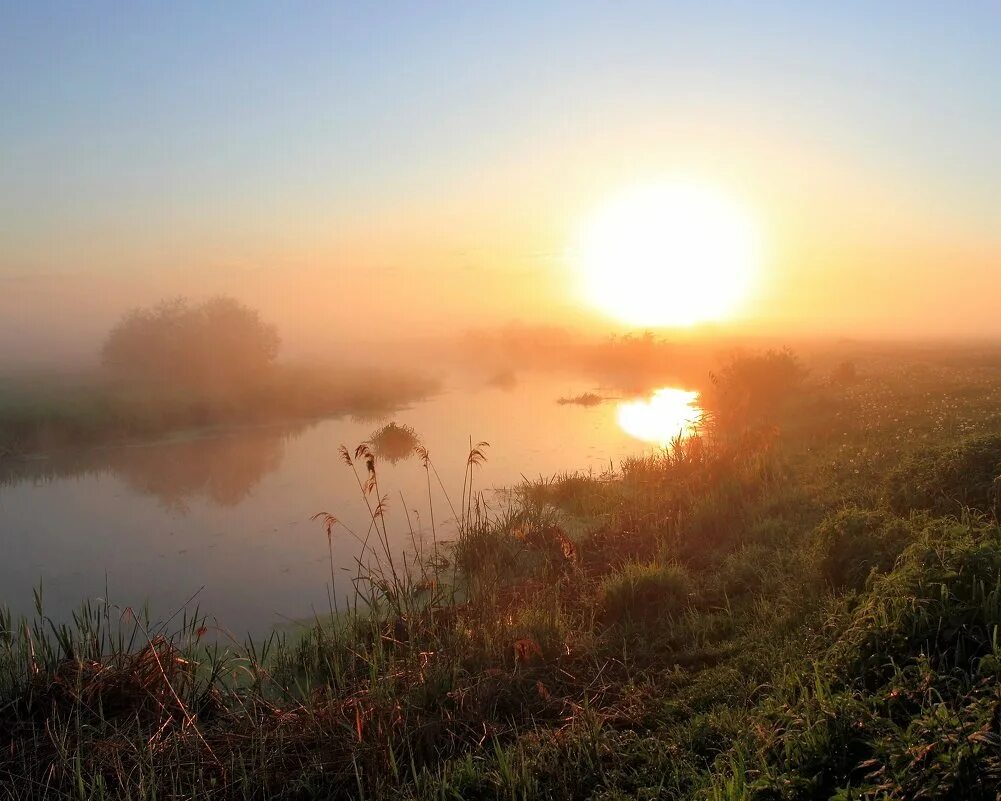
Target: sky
column 409, row 169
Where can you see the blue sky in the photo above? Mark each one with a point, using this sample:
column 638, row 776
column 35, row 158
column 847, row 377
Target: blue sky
column 185, row 129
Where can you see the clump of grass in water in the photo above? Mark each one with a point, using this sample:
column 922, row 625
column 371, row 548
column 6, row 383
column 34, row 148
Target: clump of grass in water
column 584, row 399
column 394, row 441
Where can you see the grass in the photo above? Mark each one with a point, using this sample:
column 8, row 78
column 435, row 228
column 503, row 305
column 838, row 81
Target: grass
column 645, row 593
column 752, row 614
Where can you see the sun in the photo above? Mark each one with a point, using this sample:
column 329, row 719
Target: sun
column 667, row 254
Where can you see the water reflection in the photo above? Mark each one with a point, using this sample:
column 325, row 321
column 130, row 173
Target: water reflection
column 668, row 413
column 222, row 469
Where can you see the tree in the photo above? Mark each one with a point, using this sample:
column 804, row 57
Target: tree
column 219, row 343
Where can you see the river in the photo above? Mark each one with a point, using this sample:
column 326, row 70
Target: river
column 222, row 520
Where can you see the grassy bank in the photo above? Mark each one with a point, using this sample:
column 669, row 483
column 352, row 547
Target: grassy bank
column 798, row 608
column 49, row 412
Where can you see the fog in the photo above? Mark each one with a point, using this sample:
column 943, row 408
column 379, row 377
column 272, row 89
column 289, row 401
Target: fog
column 363, row 208
column 60, row 323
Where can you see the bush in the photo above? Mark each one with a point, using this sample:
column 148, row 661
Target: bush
column 754, row 386
column 216, row 344
column 644, row 593
column 848, row 545
column 946, row 480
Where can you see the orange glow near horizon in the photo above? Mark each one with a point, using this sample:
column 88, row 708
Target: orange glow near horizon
column 667, row 414
column 671, row 254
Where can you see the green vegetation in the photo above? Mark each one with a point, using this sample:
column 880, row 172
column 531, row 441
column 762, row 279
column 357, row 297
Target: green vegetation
column 798, row 608
column 643, row 592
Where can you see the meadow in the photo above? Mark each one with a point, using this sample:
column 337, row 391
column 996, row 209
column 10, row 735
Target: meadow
column 802, row 601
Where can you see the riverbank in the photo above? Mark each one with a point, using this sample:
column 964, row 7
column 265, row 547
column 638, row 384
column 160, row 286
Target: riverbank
column 46, row 413
column 797, row 607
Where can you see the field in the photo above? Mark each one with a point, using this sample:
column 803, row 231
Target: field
column 801, row 602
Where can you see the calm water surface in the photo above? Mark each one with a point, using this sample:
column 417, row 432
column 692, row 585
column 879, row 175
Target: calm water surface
column 226, row 518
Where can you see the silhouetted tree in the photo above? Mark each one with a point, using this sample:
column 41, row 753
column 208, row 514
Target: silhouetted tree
column 219, row 343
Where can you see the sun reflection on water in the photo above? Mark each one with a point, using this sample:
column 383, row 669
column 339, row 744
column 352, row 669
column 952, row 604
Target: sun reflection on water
column 668, row 413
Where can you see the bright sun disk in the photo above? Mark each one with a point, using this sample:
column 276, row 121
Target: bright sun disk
column 671, row 254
